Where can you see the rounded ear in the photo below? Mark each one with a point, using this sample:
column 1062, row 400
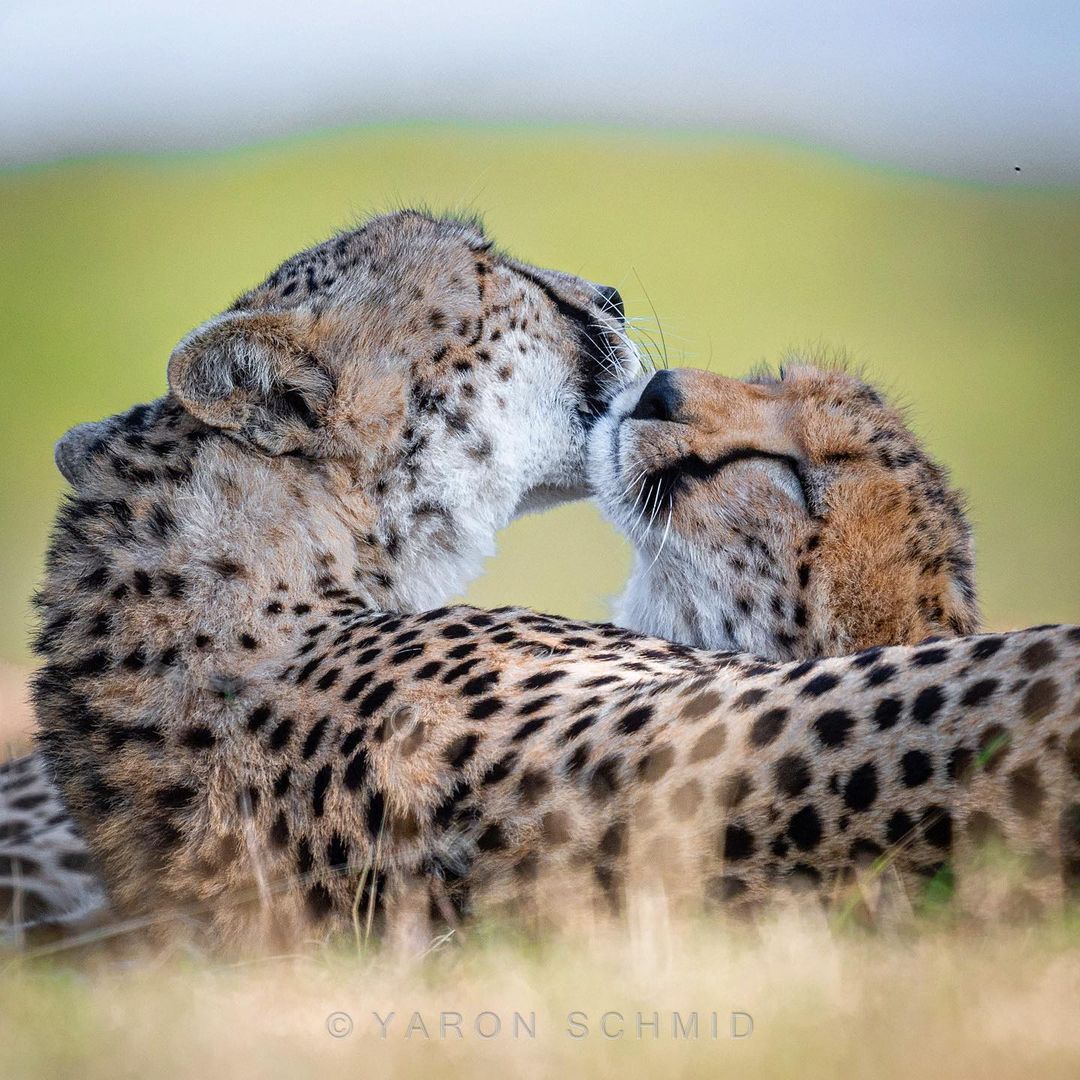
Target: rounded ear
column 75, row 448
column 254, row 374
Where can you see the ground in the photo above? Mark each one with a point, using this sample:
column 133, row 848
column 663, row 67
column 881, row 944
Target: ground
column 824, row 1001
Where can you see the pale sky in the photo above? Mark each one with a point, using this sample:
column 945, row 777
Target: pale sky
column 961, row 88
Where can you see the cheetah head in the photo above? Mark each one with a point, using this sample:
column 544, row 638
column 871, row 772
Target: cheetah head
column 441, row 381
column 413, row 334
column 790, row 516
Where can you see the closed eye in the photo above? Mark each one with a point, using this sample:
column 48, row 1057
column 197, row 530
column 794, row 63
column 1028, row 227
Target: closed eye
column 694, row 468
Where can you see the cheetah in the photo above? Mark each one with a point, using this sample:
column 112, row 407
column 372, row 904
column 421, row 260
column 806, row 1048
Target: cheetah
column 434, row 388
column 259, row 739
column 792, row 517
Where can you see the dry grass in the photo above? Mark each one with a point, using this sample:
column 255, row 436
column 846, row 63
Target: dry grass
column 825, row 998
column 823, row 1003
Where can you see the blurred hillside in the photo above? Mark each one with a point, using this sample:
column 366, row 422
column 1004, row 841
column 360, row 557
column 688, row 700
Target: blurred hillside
column 961, row 299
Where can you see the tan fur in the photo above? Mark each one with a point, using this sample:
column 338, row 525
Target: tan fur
column 789, row 517
column 347, row 437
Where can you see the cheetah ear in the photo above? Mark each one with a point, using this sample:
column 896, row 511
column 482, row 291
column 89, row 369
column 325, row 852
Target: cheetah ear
column 255, row 374
column 76, row 448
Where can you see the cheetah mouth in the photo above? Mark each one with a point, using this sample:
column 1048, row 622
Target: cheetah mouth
column 606, row 366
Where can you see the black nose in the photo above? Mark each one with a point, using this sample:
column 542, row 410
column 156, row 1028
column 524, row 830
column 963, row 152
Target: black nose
column 660, row 400
column 610, row 300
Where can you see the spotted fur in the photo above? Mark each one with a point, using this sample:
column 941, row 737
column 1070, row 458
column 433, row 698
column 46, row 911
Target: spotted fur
column 346, row 438
column 789, row 517
column 260, row 762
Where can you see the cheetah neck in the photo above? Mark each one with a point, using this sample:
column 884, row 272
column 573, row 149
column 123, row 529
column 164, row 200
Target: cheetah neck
column 180, row 541
column 745, row 598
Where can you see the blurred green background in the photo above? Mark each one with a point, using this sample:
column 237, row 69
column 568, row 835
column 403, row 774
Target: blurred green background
column 962, row 300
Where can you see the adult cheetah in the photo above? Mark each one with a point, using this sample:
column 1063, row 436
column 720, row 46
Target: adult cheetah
column 403, row 391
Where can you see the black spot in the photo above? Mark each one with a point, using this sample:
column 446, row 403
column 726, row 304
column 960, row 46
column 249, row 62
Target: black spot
column 958, row 766
column 280, row 736
column 319, row 901
column 461, row 750
column 864, row 849
column 315, row 737
column 880, row 675
column 724, row 888
column 337, row 852
column 804, row 829
column 887, row 713
column 738, row 843
column 862, row 787
column 800, row 669
column 930, row 657
column 281, row 784
column 175, row 798
column 356, row 771
column 1039, row 699
column 577, row 760
column 444, row 812
column 604, row 780
column 927, row 704
column 529, row 728
column 376, row 811
column 986, row 647
column 491, row 839
column 820, row 684
column 915, row 768
column 94, row 664
column 937, row 827
column 327, row 679
column 898, row 826
column 134, row 661
column 481, row 684
column 376, row 699
column 792, row 775
column 1038, row 654
column 767, row 727
column 733, row 790
column 542, row 679
column 865, row 657
column 833, row 727
column 258, row 718
column 484, row 708
column 1026, row 790
column 318, row 790
column 635, row 720
column 356, row 687
column 279, row 831
column 748, row 699
column 199, row 737
column 978, row 692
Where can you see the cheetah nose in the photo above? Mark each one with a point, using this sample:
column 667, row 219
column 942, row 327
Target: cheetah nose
column 610, row 300
column 660, row 400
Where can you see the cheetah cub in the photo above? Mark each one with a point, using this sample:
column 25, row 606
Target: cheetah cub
column 788, row 517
